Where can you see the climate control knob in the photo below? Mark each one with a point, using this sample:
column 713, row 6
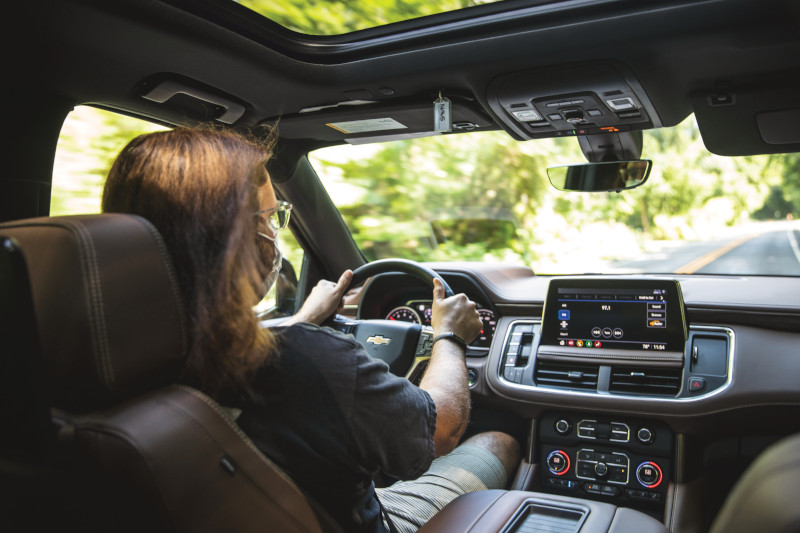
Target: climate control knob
column 558, row 462
column 601, row 469
column 649, row 474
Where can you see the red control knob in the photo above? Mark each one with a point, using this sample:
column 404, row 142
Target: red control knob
column 649, row 474
column 558, row 462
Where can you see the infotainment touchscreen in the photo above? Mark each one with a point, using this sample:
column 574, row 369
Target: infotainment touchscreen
column 619, row 314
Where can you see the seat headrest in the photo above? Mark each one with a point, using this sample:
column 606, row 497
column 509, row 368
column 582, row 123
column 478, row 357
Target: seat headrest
column 108, row 309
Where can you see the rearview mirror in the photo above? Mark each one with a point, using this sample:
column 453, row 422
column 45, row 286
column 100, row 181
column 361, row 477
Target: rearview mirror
column 597, row 177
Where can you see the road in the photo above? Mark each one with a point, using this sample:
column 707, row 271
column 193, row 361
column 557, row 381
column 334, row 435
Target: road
column 770, row 248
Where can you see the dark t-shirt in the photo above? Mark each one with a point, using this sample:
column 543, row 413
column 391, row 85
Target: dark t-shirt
column 331, row 416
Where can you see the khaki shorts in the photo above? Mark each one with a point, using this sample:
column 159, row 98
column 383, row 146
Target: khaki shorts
column 468, row 468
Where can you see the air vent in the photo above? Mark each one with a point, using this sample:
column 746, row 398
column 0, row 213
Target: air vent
column 646, row 380
column 566, row 375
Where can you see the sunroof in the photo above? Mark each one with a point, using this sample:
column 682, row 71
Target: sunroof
column 336, row 17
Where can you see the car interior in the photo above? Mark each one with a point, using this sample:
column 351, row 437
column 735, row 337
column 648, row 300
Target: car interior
column 643, row 402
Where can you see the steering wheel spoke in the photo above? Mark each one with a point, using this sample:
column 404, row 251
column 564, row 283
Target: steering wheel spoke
column 404, row 346
column 422, row 356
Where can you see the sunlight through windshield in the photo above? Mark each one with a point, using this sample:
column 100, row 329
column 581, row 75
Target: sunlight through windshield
column 485, row 197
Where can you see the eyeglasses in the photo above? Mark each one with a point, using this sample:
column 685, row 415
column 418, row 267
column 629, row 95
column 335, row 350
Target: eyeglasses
column 276, row 217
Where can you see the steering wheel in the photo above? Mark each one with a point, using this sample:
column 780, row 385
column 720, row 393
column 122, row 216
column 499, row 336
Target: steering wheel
column 404, row 346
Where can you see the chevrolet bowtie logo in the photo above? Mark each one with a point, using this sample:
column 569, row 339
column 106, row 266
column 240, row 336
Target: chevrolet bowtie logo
column 378, row 340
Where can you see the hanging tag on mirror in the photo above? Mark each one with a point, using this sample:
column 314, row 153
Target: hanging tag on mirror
column 441, row 115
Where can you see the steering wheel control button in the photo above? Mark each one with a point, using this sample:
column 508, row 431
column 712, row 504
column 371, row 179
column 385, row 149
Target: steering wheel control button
column 649, row 474
column 558, row 462
column 587, row 429
column 645, row 436
column 562, row 426
column 425, row 343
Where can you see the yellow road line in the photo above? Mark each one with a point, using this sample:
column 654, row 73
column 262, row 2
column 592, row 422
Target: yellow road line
column 696, row 264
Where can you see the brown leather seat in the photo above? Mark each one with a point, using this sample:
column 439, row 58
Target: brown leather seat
column 128, row 449
column 765, row 499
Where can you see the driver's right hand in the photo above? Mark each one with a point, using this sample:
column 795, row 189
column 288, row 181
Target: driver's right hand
column 457, row 314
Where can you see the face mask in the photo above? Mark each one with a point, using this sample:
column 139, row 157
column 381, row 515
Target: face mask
column 277, row 262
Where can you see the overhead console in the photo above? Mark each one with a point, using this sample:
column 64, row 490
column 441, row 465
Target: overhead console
column 578, row 100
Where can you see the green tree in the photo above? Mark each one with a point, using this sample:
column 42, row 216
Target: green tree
column 90, row 140
column 325, row 17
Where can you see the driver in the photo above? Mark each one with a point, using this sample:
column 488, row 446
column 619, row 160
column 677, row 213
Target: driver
column 309, row 397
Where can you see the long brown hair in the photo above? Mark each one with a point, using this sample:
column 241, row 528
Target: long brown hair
column 199, row 188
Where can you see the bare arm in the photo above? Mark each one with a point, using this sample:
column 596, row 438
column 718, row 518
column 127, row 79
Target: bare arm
column 325, row 299
column 446, row 377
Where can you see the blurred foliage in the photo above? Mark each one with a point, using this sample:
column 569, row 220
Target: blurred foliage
column 485, row 196
column 428, row 199
column 463, row 193
column 89, row 142
column 326, row 17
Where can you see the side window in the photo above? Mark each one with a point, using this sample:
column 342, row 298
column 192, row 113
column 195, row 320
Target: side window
column 90, row 140
column 281, row 299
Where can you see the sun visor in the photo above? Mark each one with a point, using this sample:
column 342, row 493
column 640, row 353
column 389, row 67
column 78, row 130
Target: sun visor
column 760, row 117
column 360, row 121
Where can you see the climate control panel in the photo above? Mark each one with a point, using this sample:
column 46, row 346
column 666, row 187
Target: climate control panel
column 624, row 460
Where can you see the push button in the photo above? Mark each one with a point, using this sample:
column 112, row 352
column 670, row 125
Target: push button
column 563, row 426
column 697, row 384
column 618, row 474
column 587, row 429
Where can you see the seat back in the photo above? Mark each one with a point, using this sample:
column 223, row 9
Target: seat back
column 124, row 448
column 765, row 498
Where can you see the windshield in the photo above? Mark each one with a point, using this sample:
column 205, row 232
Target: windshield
column 486, row 197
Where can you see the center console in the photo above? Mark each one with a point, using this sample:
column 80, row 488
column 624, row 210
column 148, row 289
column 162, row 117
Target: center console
column 616, row 459
column 499, row 511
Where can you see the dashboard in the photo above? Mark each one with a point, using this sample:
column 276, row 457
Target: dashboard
column 626, row 382
column 419, row 312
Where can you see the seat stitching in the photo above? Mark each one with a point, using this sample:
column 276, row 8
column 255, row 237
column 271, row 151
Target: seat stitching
column 162, row 250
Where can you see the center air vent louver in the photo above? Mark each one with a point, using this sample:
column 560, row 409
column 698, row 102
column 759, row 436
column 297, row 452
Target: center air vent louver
column 646, row 380
column 566, row 375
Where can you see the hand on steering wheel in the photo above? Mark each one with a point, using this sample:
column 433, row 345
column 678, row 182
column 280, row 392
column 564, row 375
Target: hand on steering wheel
column 404, row 346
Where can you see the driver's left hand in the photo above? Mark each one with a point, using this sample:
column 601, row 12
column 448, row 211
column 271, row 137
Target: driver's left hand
column 326, row 298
